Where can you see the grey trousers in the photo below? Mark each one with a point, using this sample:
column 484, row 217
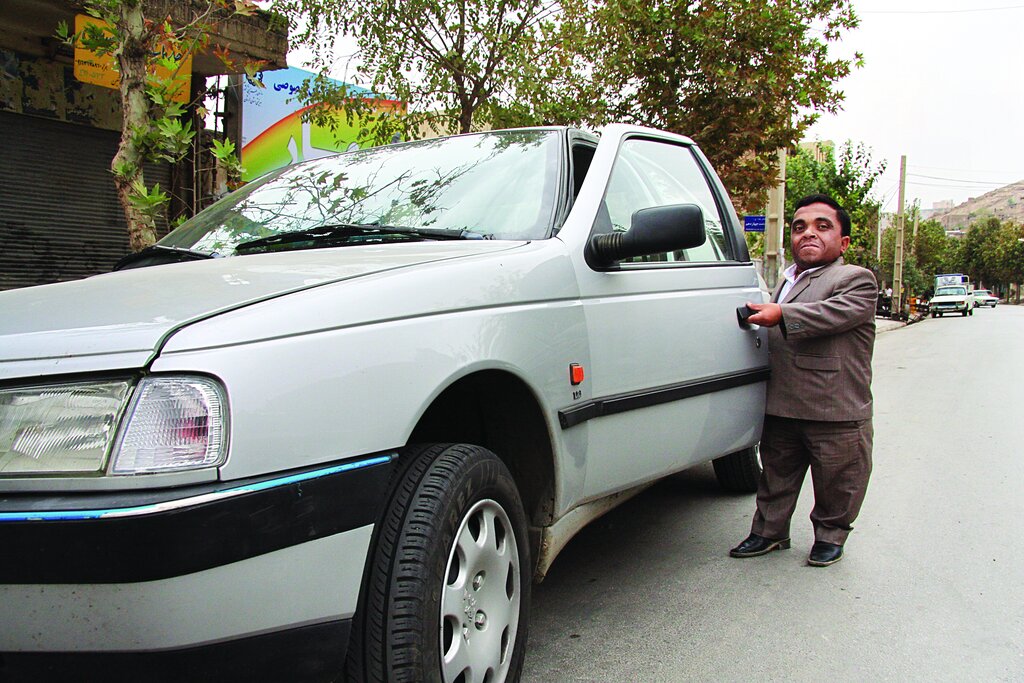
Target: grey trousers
column 839, row 457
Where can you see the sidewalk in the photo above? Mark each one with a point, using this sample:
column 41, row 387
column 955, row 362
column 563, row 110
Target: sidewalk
column 885, row 324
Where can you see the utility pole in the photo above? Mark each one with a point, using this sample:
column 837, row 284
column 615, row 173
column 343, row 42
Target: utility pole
column 774, row 228
column 897, row 269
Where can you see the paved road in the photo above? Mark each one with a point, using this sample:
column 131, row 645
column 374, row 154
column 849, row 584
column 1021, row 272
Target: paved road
column 931, row 589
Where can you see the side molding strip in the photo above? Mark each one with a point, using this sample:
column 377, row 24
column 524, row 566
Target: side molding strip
column 644, row 398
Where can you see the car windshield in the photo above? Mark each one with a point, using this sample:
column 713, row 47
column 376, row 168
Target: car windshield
column 951, row 291
column 981, row 292
column 498, row 185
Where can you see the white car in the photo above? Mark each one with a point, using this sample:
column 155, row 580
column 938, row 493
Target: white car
column 951, row 299
column 355, row 407
column 983, row 297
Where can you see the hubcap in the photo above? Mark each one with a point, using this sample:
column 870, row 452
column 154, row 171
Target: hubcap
column 481, row 598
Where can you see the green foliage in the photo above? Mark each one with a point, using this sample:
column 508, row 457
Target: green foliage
column 224, row 152
column 743, row 78
column 149, row 201
column 456, row 64
column 991, row 253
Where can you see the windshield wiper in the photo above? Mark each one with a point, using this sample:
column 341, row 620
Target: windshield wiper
column 335, row 231
column 157, row 254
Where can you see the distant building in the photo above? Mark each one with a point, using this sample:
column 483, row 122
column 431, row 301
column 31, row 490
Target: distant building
column 819, row 149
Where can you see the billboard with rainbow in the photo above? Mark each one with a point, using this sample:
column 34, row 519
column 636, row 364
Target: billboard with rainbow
column 273, row 132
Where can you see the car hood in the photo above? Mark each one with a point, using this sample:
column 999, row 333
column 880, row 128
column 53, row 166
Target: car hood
column 948, row 298
column 121, row 319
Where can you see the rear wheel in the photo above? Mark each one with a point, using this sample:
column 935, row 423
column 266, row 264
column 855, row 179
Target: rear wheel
column 446, row 595
column 740, row 471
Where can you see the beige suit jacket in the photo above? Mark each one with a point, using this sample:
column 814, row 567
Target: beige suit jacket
column 821, row 351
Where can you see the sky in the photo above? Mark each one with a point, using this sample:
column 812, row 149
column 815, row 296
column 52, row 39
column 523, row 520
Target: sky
column 943, row 84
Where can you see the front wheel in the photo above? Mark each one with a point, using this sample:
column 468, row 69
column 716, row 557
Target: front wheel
column 739, row 472
column 447, row 592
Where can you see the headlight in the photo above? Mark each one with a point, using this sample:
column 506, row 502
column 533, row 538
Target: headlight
column 169, row 423
column 61, row 428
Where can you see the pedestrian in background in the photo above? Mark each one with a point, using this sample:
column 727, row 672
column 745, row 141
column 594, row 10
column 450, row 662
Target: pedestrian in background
column 821, row 337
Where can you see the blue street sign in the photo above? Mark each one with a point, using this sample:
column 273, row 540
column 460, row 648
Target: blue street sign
column 753, row 224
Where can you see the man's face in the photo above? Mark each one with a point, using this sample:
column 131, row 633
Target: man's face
column 816, row 236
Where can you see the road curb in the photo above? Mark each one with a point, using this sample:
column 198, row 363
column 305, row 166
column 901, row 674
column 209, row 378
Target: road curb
column 884, row 325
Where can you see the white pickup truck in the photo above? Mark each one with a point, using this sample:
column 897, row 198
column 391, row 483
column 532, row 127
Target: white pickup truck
column 951, row 299
column 345, row 416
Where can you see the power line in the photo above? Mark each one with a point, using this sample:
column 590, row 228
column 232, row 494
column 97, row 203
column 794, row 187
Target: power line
column 962, row 180
column 943, row 11
column 918, row 183
column 957, row 170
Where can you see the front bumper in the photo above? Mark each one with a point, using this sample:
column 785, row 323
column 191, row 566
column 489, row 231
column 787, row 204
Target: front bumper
column 185, row 575
column 305, row 654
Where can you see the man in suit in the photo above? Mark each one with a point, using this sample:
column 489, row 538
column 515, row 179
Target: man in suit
column 821, row 336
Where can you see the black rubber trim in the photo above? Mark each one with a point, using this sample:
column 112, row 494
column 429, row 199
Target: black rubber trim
column 634, row 400
column 307, row 654
column 175, row 542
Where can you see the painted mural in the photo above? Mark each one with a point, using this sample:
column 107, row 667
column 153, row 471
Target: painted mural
column 274, row 134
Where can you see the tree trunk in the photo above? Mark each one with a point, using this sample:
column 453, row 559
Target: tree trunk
column 127, row 163
column 466, row 121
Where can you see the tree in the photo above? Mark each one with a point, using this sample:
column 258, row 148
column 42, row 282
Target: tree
column 743, row 78
column 980, row 250
column 149, row 53
column 932, row 249
column 456, row 64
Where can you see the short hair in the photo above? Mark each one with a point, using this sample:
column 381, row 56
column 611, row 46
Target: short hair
column 844, row 218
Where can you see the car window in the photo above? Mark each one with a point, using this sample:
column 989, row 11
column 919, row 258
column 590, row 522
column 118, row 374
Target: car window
column 500, row 185
column 647, row 174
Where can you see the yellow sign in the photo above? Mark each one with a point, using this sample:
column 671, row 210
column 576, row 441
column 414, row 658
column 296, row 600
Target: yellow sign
column 102, row 70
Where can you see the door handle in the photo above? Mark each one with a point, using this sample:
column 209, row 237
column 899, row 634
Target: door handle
column 742, row 313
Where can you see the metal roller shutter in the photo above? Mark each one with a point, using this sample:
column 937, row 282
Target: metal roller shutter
column 59, row 215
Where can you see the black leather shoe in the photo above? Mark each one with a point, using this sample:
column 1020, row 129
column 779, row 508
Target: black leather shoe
column 754, row 545
column 823, row 554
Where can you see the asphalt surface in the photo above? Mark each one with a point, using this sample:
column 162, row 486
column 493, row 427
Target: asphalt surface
column 931, row 588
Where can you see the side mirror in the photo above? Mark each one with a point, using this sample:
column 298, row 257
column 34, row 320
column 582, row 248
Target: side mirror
column 653, row 231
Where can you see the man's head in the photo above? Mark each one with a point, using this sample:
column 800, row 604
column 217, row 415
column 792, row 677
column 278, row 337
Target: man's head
column 820, row 231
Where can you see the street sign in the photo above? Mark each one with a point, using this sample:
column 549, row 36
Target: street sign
column 753, row 224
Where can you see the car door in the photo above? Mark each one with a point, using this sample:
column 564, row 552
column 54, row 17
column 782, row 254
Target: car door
column 674, row 378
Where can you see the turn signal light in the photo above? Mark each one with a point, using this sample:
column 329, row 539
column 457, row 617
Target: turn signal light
column 575, row 373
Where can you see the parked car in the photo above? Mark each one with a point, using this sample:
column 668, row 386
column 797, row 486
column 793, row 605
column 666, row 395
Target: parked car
column 951, row 299
column 352, row 409
column 983, row 297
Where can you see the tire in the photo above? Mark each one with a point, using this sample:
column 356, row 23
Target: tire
column 446, row 591
column 935, row 315
column 739, row 472
column 965, row 312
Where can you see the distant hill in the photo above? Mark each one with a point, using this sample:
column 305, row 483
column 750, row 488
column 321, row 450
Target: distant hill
column 1006, row 203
